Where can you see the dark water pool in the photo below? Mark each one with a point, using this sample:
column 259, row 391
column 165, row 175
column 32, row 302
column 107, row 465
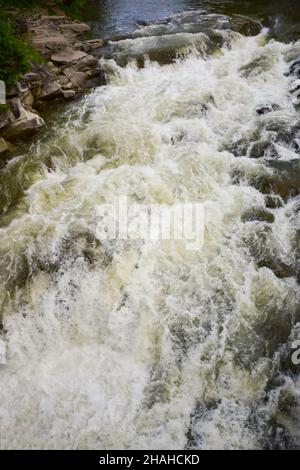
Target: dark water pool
column 109, row 17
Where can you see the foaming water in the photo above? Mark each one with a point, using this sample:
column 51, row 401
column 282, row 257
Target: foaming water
column 124, row 344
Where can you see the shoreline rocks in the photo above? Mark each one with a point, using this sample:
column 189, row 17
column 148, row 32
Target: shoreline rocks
column 70, row 71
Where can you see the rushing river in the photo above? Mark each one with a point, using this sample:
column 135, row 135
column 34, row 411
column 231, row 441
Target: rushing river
column 132, row 344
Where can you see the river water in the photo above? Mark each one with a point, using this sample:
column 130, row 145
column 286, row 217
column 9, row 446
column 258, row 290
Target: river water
column 132, row 344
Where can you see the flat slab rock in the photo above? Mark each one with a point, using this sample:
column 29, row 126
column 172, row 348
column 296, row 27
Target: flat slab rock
column 56, row 42
column 67, row 56
column 77, row 28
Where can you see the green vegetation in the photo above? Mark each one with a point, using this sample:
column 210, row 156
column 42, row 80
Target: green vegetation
column 16, row 51
column 72, row 8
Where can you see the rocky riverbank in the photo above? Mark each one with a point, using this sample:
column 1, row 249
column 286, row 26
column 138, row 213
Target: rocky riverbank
column 69, row 69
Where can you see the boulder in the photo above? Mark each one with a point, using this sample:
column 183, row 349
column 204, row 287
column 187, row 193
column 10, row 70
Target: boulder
column 33, row 79
column 88, row 61
column 27, row 99
column 77, row 78
column 245, row 25
column 42, row 71
column 67, row 56
column 263, row 148
column 27, row 124
column 69, row 94
column 49, row 90
column 3, row 146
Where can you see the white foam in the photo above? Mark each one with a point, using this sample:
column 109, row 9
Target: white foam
column 148, row 341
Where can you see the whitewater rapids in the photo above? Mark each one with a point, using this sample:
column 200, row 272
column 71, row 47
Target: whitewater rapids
column 128, row 344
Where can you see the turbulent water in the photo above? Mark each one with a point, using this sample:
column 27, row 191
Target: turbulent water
column 132, row 344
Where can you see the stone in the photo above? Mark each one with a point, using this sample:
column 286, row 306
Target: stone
column 86, row 62
column 67, row 86
column 62, row 80
column 79, row 46
column 33, row 79
column 246, row 26
column 50, row 90
column 27, row 99
column 43, row 71
column 15, row 107
column 27, row 124
column 16, row 90
column 95, row 43
column 82, row 46
column 280, row 269
column 277, row 185
column 69, row 72
column 77, row 28
column 69, row 94
column 55, row 42
column 36, row 91
column 95, row 78
column 263, row 148
column 3, row 146
column 67, row 56
column 77, row 78
column 288, row 170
